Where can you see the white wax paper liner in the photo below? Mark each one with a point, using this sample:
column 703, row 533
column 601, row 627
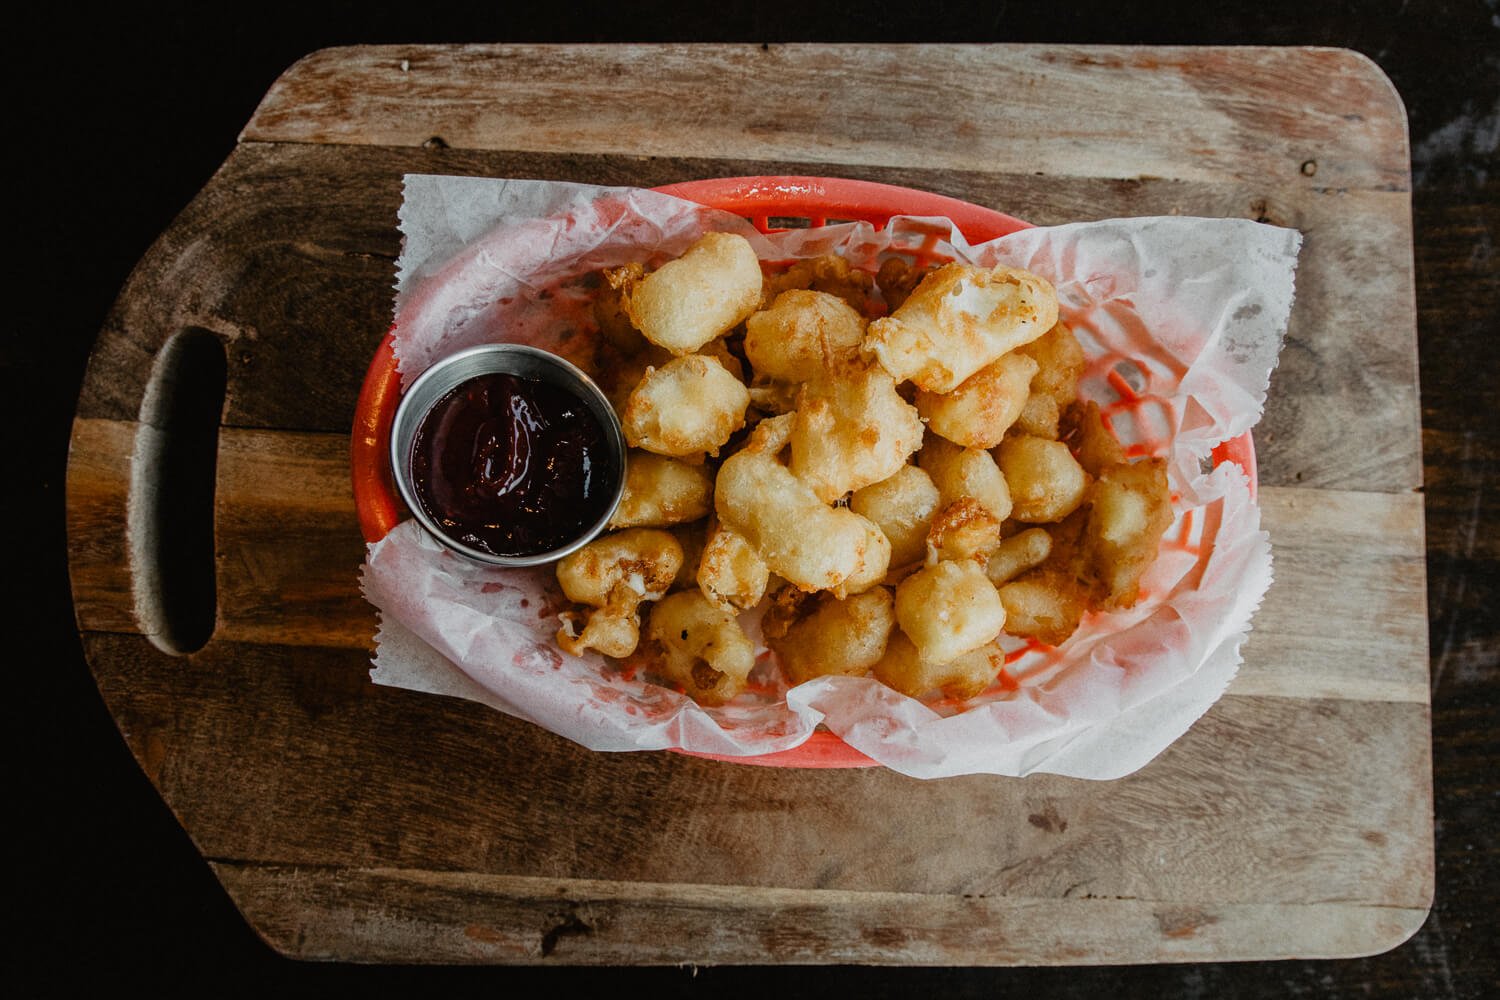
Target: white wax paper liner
column 1197, row 309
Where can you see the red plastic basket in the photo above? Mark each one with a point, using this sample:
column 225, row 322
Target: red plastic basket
column 769, row 203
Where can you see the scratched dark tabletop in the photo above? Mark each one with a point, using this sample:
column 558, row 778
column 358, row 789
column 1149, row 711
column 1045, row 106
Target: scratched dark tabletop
column 122, row 120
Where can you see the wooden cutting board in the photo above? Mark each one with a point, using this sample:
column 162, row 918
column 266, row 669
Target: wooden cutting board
column 350, row 821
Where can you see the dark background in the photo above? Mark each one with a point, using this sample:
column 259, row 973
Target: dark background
column 123, row 117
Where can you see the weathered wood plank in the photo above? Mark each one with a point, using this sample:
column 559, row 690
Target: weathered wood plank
column 1346, row 617
column 287, row 542
column 1348, row 609
column 98, row 546
column 1108, row 112
column 421, row 917
column 291, row 265
column 288, row 545
column 1264, row 800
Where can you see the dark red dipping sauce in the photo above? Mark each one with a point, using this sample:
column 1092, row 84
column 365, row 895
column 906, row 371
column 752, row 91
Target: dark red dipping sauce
column 512, row 466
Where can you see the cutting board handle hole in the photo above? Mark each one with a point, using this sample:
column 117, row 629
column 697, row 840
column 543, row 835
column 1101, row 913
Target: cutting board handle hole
column 171, row 510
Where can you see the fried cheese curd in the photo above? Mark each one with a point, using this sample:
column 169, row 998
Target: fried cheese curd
column 804, row 540
column 613, row 575
column 687, row 302
column 661, row 491
column 689, row 406
column 730, row 570
column 984, row 406
column 958, row 320
column 830, row 274
column 851, row 428
column 802, row 333
column 699, row 645
column 902, row 507
column 903, row 668
column 899, row 493
column 835, row 638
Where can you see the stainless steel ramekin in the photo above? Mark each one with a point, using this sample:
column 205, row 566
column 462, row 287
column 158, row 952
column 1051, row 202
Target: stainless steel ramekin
column 512, row 359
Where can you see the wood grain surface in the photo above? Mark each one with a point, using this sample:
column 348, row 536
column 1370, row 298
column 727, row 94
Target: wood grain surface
column 137, row 108
column 356, row 822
